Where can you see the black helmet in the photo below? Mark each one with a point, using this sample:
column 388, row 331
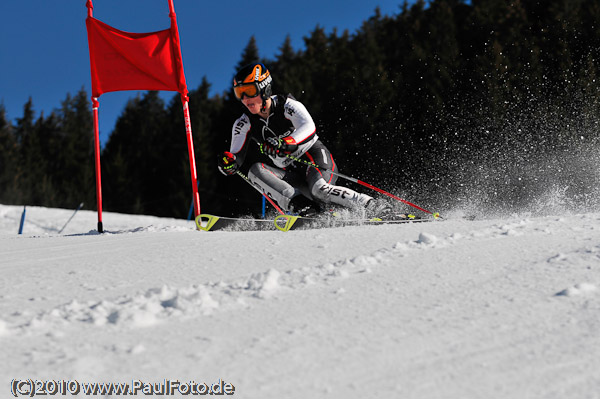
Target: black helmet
column 252, row 80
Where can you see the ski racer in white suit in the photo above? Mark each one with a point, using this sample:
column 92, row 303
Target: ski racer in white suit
column 272, row 127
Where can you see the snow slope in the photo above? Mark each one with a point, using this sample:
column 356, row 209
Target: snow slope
column 504, row 308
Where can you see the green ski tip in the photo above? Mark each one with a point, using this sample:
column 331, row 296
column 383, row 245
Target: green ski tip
column 286, row 225
column 210, row 221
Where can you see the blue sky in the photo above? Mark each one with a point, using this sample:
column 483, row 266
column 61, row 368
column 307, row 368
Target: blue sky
column 44, row 52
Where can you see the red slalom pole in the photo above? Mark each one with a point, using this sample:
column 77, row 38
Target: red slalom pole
column 388, row 194
column 192, row 158
column 95, row 105
column 186, row 110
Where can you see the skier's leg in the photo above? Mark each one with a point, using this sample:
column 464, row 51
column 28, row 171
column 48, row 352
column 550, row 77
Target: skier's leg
column 275, row 183
column 339, row 195
column 322, row 182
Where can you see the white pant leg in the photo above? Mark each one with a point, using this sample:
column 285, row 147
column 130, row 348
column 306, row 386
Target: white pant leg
column 270, row 181
column 343, row 196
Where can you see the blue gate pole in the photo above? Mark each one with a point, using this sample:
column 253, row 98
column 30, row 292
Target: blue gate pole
column 22, row 221
column 191, row 212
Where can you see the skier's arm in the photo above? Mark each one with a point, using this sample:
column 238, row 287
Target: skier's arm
column 240, row 138
column 304, row 126
column 229, row 162
column 298, row 140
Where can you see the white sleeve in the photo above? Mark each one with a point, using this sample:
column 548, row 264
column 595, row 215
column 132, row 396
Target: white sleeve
column 304, row 126
column 239, row 134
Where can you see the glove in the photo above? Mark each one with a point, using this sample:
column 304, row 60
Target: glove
column 279, row 146
column 227, row 164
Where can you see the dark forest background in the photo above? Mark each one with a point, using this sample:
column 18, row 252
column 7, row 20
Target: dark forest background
column 486, row 105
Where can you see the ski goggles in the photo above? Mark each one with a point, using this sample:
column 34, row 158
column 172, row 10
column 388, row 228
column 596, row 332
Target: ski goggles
column 246, row 89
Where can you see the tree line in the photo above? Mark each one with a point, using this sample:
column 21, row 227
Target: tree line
column 479, row 103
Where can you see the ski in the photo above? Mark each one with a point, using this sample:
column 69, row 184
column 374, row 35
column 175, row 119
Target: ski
column 290, row 222
column 209, row 222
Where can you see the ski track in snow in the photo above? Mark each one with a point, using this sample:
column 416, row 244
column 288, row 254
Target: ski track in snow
column 159, row 304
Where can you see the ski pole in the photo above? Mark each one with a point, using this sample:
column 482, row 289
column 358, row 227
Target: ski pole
column 78, row 208
column 365, row 184
column 243, row 176
column 355, row 180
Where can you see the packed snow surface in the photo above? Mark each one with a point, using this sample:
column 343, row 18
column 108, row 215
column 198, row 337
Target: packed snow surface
column 498, row 308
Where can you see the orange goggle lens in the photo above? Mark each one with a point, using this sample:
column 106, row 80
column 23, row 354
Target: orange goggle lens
column 245, row 89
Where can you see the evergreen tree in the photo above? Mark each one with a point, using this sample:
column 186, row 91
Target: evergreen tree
column 45, row 165
column 75, row 155
column 24, row 131
column 249, row 54
column 40, row 178
column 287, row 75
column 136, row 172
column 367, row 97
column 317, row 69
column 8, row 161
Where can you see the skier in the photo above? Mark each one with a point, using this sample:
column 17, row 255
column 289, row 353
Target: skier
column 272, row 128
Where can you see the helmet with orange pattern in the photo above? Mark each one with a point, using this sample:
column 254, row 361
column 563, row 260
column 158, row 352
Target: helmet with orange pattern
column 252, row 80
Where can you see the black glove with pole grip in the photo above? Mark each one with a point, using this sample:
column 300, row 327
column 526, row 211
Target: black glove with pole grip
column 279, row 146
column 227, row 164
